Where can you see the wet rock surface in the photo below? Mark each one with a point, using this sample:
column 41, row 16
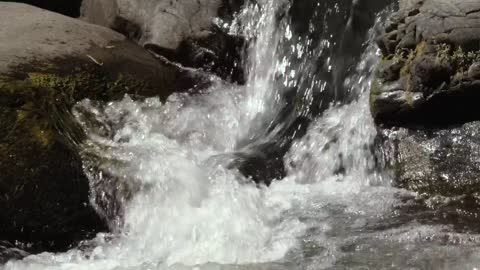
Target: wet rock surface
column 442, row 162
column 428, row 73
column 9, row 251
column 441, row 167
column 55, row 62
column 424, row 97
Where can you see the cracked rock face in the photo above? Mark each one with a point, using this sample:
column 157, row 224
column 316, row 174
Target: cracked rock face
column 429, row 73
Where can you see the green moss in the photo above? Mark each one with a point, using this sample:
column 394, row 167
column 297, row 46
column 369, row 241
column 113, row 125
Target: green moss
column 47, row 80
column 93, row 84
column 70, row 84
column 39, row 98
column 31, row 121
column 406, row 73
column 44, row 136
column 406, row 70
column 405, row 58
column 456, row 56
column 24, row 112
column 374, row 92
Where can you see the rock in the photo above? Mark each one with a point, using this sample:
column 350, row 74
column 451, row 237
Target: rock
column 104, row 13
column 218, row 53
column 427, row 76
column 9, row 251
column 442, row 162
column 424, row 100
column 163, row 23
column 229, row 8
column 69, row 8
column 55, row 62
column 181, row 31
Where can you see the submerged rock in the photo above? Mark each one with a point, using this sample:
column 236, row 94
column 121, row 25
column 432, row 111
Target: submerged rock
column 48, row 62
column 428, row 75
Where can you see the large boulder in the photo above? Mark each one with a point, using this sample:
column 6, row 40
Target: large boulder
column 425, row 93
column 164, row 23
column 48, row 62
column 190, row 33
column 430, row 68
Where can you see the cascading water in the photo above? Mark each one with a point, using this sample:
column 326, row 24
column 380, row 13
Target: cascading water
column 162, row 173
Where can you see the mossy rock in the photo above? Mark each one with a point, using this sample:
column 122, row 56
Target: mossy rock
column 425, row 97
column 430, row 53
column 56, row 62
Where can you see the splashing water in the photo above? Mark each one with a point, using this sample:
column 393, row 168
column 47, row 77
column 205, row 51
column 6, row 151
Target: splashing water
column 160, row 173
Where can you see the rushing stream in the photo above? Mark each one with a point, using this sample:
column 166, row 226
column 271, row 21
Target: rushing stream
column 165, row 174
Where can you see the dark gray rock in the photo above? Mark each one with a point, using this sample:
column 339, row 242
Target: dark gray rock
column 361, row 19
column 9, row 251
column 435, row 162
column 218, row 52
column 428, row 73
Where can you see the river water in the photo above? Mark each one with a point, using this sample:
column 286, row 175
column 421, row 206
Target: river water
column 164, row 175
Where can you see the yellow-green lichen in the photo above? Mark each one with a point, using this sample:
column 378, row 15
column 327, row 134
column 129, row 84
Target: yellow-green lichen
column 49, row 80
column 456, row 55
column 41, row 101
column 406, row 70
column 31, row 120
column 374, row 92
column 43, row 135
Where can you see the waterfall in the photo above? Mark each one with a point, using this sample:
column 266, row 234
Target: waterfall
column 161, row 172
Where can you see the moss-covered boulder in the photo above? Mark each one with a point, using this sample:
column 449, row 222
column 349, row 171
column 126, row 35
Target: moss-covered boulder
column 425, row 97
column 48, row 62
column 429, row 69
